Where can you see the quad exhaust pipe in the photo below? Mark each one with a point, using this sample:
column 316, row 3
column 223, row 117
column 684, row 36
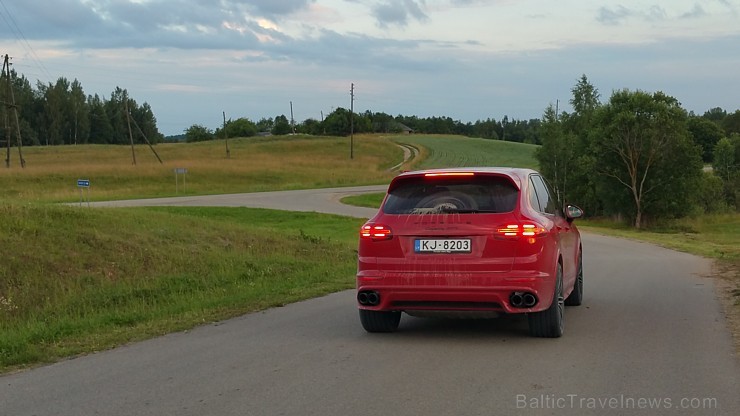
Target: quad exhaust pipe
column 368, row 298
column 522, row 299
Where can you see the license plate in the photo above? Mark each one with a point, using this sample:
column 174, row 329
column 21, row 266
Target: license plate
column 453, row 245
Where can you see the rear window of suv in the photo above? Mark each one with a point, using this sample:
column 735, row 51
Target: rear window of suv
column 478, row 194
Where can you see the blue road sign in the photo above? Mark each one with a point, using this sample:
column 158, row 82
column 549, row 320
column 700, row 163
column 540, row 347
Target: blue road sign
column 83, row 183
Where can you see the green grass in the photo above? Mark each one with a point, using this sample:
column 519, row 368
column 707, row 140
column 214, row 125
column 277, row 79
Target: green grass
column 256, row 164
column 364, row 200
column 712, row 236
column 457, row 151
column 79, row 280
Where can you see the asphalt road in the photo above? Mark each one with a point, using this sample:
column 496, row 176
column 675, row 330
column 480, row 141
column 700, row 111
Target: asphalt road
column 650, row 339
column 319, row 200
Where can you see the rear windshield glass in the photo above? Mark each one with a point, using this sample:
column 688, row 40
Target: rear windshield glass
column 479, row 194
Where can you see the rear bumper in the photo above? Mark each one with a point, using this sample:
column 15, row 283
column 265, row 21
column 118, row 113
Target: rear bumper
column 456, row 292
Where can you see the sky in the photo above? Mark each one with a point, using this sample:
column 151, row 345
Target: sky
column 192, row 60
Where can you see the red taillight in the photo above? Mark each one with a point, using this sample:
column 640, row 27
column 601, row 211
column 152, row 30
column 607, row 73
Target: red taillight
column 528, row 230
column 376, row 232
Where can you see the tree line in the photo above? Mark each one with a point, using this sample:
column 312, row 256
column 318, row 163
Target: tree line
column 341, row 123
column 640, row 156
column 60, row 113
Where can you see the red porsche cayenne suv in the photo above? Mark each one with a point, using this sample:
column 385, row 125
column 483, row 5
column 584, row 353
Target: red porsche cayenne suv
column 470, row 242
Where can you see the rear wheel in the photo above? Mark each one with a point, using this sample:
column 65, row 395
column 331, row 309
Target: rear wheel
column 549, row 323
column 379, row 321
column 576, row 296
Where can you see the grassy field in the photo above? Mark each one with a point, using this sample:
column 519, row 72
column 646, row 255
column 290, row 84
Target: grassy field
column 457, row 151
column 78, row 280
column 256, row 164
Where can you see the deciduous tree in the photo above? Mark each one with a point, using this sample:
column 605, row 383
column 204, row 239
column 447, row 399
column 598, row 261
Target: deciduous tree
column 644, row 147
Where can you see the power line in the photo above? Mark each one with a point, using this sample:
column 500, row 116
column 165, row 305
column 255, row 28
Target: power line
column 18, row 33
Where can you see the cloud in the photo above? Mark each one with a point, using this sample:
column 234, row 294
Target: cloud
column 331, row 48
column 697, row 11
column 275, row 8
column 656, row 13
column 187, row 24
column 399, row 12
column 613, row 16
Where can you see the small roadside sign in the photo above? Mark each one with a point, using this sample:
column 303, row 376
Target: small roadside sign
column 84, row 185
column 178, row 172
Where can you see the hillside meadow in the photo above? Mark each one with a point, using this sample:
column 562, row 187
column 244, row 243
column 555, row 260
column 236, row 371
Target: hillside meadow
column 256, row 164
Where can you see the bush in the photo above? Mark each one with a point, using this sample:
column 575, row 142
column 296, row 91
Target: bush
column 711, row 194
column 198, row 133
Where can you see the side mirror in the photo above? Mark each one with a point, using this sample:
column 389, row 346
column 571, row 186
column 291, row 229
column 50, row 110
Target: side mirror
column 572, row 212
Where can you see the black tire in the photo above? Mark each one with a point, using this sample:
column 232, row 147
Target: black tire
column 379, row 321
column 549, row 323
column 576, row 296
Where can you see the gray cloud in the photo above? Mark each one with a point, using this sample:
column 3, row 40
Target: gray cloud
column 358, row 50
column 183, row 24
column 399, row 12
column 273, row 8
column 656, row 13
column 615, row 16
column 198, row 24
column 697, row 11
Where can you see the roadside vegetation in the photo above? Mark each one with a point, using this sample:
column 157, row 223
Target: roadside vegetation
column 76, row 280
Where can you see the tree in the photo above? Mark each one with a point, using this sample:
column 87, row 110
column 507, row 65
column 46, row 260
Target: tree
column 79, row 112
column 706, row 134
column 565, row 156
column 241, row 127
column 115, row 108
column 644, row 147
column 724, row 164
column 711, row 196
column 281, row 126
column 265, row 125
column 198, row 133
column 557, row 152
column 101, row 130
column 310, row 126
column 485, row 129
column 337, row 123
column 731, row 123
column 56, row 121
column 716, row 114
column 143, row 117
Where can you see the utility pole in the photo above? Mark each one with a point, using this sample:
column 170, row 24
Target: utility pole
column 557, row 109
column 8, row 106
column 226, row 139
column 352, row 122
column 146, row 140
column 128, row 121
column 292, row 123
